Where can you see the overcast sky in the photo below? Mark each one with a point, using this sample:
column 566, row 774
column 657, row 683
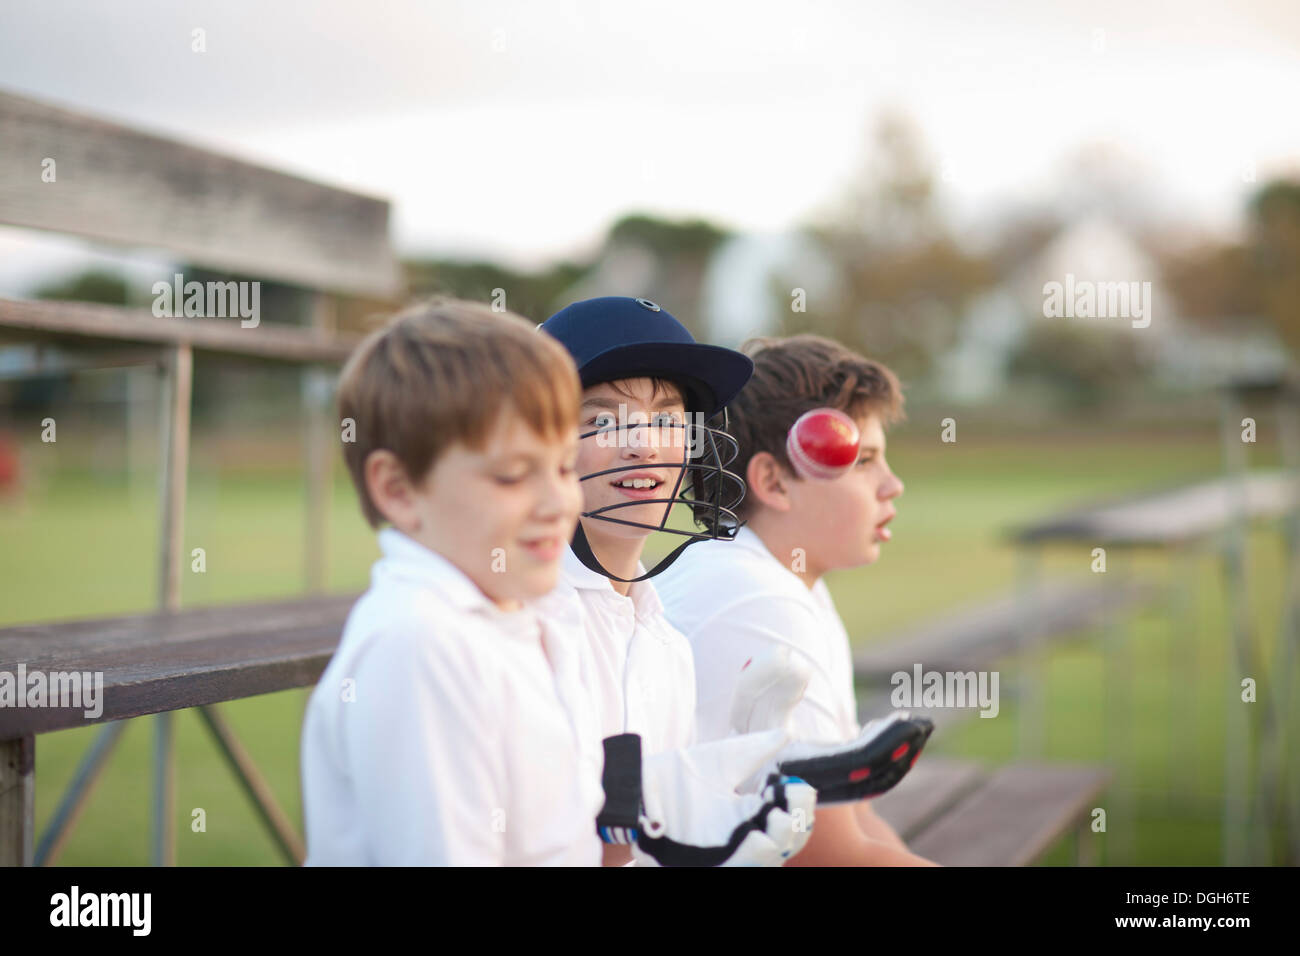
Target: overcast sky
column 521, row 129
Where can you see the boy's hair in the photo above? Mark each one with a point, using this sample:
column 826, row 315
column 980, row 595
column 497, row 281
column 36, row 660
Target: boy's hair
column 440, row 373
column 659, row 385
column 795, row 375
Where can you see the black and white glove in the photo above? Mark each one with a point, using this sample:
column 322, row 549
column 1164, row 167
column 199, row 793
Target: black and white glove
column 689, row 813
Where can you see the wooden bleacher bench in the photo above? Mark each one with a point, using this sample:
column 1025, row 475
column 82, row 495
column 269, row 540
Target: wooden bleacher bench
column 956, row 813
column 1208, row 517
column 158, row 663
column 953, row 812
column 973, row 637
column 1171, row 516
column 163, row 661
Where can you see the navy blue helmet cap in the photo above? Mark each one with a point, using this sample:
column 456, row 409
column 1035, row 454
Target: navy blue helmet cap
column 615, row 337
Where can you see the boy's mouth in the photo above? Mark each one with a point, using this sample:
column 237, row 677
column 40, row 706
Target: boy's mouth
column 638, row 486
column 544, row 549
column 883, row 533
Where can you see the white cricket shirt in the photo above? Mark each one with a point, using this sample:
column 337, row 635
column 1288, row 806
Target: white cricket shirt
column 639, row 667
column 733, row 600
column 440, row 734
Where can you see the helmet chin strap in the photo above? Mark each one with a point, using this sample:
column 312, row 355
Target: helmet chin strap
column 582, row 548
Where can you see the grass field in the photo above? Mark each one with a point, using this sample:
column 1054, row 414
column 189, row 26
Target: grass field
column 81, row 543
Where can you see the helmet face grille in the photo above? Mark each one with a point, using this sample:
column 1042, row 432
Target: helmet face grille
column 704, row 484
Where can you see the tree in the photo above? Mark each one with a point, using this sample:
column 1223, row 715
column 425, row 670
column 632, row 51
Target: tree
column 93, row 285
column 1223, row 284
column 1274, row 257
column 903, row 278
column 530, row 294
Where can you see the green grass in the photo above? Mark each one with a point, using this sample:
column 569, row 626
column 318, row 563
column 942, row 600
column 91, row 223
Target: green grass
column 81, row 544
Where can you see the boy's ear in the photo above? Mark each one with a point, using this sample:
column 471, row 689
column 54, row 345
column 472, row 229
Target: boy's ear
column 767, row 481
column 390, row 489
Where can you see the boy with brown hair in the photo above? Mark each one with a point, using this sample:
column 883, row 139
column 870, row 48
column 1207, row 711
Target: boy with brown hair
column 765, row 590
column 448, row 728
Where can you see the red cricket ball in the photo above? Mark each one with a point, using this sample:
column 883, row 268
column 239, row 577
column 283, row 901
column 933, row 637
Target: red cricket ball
column 823, row 444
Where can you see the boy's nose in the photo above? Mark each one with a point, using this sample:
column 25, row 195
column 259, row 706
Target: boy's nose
column 561, row 497
column 892, row 488
column 642, row 442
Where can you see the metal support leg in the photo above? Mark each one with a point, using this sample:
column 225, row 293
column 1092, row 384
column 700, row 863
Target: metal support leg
column 1286, row 663
column 1032, row 670
column 1184, row 667
column 78, row 793
column 17, row 800
column 1236, row 783
column 164, row 792
column 319, row 447
column 255, row 786
column 178, row 373
column 1121, row 824
column 319, row 452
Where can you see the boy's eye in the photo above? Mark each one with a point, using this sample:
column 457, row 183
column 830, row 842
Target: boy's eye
column 668, row 418
column 604, row 420
column 511, row 474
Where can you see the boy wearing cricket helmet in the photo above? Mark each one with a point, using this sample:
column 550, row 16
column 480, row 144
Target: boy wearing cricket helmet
column 649, row 391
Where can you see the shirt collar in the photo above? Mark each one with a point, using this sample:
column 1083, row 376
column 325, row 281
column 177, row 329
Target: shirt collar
column 406, row 559
column 747, row 538
column 644, row 597
column 579, row 575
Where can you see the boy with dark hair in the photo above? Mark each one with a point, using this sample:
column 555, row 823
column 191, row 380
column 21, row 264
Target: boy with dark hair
column 765, row 590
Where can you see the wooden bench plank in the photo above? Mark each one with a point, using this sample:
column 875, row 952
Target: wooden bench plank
column 1173, row 516
column 118, row 184
column 929, row 789
column 157, row 662
column 977, row 635
column 97, row 324
column 1014, row 817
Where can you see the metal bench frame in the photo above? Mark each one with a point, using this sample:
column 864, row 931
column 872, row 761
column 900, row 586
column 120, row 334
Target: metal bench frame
column 138, row 190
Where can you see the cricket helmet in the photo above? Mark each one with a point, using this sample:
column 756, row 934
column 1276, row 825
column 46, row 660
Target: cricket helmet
column 619, row 337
